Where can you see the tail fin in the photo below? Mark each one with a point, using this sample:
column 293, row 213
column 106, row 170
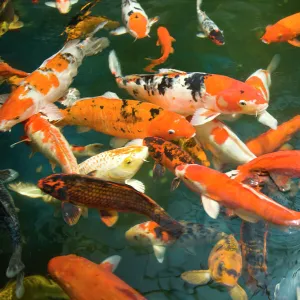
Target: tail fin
column 94, row 149
column 198, row 5
column 273, row 65
column 15, row 265
column 114, row 64
column 8, row 175
column 20, row 285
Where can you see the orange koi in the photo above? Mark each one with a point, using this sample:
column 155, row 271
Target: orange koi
column 165, row 41
column 48, row 83
column 285, row 30
column 88, row 150
column 6, row 71
column 126, row 119
column 217, row 188
column 272, row 140
column 82, row 279
column 48, row 139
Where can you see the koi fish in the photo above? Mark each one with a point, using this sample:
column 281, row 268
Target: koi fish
column 208, row 27
column 165, row 41
column 272, row 140
column 247, row 203
column 150, row 234
column 117, row 165
column 8, row 217
column 48, row 83
column 47, row 139
column 135, row 20
column 205, row 96
column 6, row 71
column 223, row 143
column 63, row 6
column 82, row 279
column 108, row 196
column 166, row 155
column 88, row 150
column 285, row 30
column 225, row 266
column 126, row 119
column 36, row 287
column 285, row 163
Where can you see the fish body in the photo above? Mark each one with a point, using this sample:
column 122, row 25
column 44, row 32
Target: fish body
column 48, row 83
column 217, row 188
column 8, row 216
column 200, row 94
column 285, row 30
column 165, row 40
column 166, row 155
column 225, row 266
column 8, row 19
column 47, row 139
column 285, row 163
column 63, row 6
column 106, row 195
column 82, row 279
column 126, row 119
column 272, row 140
column 88, row 150
column 135, row 20
column 208, row 27
column 36, row 288
column 223, row 143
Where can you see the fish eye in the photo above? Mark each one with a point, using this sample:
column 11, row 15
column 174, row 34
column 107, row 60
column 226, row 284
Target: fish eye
column 128, row 161
column 243, row 102
column 171, row 131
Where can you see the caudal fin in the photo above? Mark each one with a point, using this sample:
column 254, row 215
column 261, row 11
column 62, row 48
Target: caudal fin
column 273, row 65
column 8, row 175
column 114, row 64
column 198, row 5
column 15, row 265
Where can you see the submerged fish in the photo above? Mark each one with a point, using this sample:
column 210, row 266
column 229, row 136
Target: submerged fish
column 48, row 83
column 203, row 95
column 88, row 150
column 6, row 71
column 208, row 27
column 135, row 20
column 126, row 119
column 9, row 218
column 109, row 196
column 82, row 279
column 225, row 266
column 36, row 288
column 63, row 6
column 285, row 30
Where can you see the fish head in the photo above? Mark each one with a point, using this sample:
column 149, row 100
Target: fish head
column 217, row 37
column 63, row 6
column 242, row 99
column 277, row 33
column 171, row 126
column 4, row 27
column 130, row 161
column 138, row 25
column 53, row 185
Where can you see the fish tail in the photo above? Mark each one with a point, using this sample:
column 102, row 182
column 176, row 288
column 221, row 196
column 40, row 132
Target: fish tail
column 94, row 149
column 273, row 65
column 198, row 5
column 114, row 64
column 15, row 265
column 8, row 175
column 20, row 285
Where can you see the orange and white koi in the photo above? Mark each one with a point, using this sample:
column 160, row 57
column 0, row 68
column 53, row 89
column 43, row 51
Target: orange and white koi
column 48, row 139
column 216, row 188
column 135, row 20
column 203, row 95
column 63, row 6
column 88, row 150
column 128, row 119
column 285, row 30
column 165, row 41
column 208, row 27
column 48, row 83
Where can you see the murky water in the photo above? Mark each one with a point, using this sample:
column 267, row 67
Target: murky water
column 47, row 236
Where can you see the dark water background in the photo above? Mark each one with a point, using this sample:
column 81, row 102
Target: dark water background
column 45, row 236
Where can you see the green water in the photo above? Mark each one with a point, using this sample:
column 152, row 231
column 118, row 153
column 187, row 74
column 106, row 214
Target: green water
column 47, row 236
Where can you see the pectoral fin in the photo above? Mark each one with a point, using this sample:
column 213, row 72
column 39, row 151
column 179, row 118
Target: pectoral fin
column 201, row 35
column 202, row 116
column 295, row 42
column 71, row 213
column 198, row 277
column 159, row 252
column 152, row 21
column 136, row 184
column 175, row 183
column 268, row 120
column 73, row 1
column 211, row 207
column 249, row 217
column 16, row 25
column 170, row 71
column 50, row 4
column 283, row 182
column 172, row 50
column 109, row 217
column 111, row 263
column 119, row 31
column 116, row 142
column 52, row 112
column 237, row 293
column 3, row 98
column 157, row 44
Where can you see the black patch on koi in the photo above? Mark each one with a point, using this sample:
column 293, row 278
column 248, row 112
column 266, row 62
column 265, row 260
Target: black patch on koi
column 135, row 92
column 220, row 268
column 70, row 58
column 195, row 83
column 166, row 82
column 138, row 81
column 130, row 13
column 85, row 119
column 242, row 92
column 158, row 232
column 232, row 272
column 123, row 130
column 101, row 106
column 154, row 113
